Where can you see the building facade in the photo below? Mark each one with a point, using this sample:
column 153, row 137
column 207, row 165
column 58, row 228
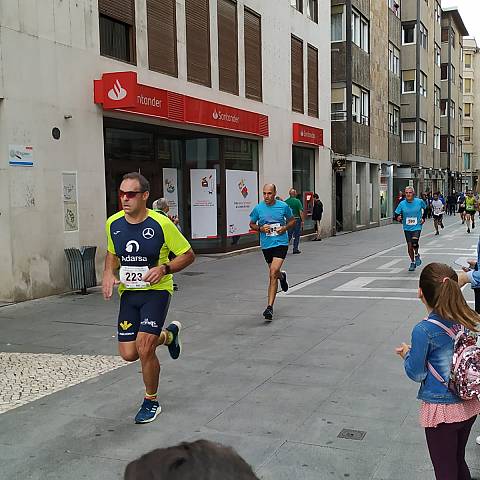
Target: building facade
column 365, row 40
column 192, row 93
column 471, row 113
column 451, row 103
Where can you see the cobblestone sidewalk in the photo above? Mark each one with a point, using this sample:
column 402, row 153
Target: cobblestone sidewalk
column 26, row 377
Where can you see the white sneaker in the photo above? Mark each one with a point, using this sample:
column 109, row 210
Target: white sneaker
column 478, row 440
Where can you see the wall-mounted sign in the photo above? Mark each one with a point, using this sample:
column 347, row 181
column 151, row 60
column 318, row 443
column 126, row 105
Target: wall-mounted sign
column 203, row 188
column 20, row 155
column 70, row 201
column 306, row 134
column 121, row 91
column 242, row 196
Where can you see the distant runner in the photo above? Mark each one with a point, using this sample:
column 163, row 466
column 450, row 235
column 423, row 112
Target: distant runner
column 471, row 206
column 139, row 241
column 412, row 213
column 273, row 218
column 438, row 211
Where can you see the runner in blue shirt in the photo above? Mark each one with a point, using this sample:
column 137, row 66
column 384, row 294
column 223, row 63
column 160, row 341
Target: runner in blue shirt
column 273, row 218
column 412, row 213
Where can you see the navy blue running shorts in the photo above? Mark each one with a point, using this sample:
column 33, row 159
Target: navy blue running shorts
column 142, row 311
column 279, row 251
column 411, row 234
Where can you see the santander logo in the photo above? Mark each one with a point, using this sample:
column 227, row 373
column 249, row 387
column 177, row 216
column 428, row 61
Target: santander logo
column 117, row 92
column 225, row 117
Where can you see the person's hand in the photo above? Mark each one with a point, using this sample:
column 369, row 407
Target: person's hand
column 265, row 228
column 154, row 274
column 422, row 221
column 472, row 263
column 463, row 279
column 465, row 269
column 402, row 350
column 400, row 219
column 108, row 282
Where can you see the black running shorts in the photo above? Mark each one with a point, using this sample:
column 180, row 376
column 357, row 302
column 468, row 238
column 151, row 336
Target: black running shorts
column 411, row 234
column 275, row 252
column 142, row 311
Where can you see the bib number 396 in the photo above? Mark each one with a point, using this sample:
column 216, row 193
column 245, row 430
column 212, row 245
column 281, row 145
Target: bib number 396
column 411, row 221
column 132, row 277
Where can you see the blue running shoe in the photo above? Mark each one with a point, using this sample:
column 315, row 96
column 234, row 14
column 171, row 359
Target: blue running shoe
column 418, row 261
column 412, row 267
column 148, row 412
column 175, row 348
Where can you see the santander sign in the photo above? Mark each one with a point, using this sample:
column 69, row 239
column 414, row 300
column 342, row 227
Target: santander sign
column 117, row 92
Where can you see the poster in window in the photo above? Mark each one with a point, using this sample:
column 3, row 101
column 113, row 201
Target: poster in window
column 242, row 196
column 203, row 187
column 170, row 190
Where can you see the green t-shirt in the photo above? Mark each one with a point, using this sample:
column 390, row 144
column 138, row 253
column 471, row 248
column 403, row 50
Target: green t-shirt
column 296, row 205
column 470, row 203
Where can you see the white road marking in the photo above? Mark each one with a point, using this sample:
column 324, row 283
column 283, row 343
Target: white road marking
column 359, row 285
column 389, row 266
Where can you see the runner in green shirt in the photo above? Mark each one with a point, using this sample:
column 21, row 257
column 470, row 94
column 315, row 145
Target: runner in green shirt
column 471, row 206
column 297, row 209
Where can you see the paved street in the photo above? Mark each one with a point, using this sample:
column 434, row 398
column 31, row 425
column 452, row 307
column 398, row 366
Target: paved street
column 280, row 393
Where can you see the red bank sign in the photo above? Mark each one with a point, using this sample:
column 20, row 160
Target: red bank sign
column 121, row 91
column 307, row 134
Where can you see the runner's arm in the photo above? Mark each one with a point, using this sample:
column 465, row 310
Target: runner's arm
column 109, row 278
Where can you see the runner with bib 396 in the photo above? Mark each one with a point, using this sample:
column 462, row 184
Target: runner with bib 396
column 412, row 212
column 139, row 241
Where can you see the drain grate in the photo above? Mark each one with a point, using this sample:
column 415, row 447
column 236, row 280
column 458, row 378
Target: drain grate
column 352, row 434
column 191, row 274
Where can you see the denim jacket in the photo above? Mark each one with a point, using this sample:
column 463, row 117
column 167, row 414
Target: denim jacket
column 474, row 275
column 430, row 343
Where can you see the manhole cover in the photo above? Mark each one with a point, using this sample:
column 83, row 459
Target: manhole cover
column 352, row 434
column 191, row 274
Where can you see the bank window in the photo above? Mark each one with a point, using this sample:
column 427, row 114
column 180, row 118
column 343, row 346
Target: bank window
column 360, row 105
column 337, row 25
column 467, row 60
column 437, row 96
column 443, row 108
column 393, row 119
column 422, row 132
column 423, row 84
column 394, row 59
column 467, row 134
column 394, row 6
column 360, row 31
column 436, row 138
column 452, row 109
column 408, row 133
column 408, row 34
column 437, row 55
column 408, row 81
column 312, row 10
column 467, row 110
column 303, row 175
column 339, row 113
column 467, row 85
column 297, row 4
column 116, row 39
column 423, row 36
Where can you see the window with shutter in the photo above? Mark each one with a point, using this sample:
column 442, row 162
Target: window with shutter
column 312, row 81
column 197, row 18
column 227, row 46
column 253, row 55
column 117, row 29
column 297, row 74
column 162, row 36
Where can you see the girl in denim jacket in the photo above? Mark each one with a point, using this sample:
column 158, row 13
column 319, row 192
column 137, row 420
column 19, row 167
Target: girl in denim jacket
column 446, row 418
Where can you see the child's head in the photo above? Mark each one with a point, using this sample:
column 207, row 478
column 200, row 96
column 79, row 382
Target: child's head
column 440, row 291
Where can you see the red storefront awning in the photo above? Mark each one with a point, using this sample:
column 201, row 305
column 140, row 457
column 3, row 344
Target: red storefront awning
column 306, row 134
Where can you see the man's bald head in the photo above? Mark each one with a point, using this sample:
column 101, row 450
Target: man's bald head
column 269, row 193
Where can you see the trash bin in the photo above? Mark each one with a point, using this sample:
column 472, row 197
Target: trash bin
column 81, row 265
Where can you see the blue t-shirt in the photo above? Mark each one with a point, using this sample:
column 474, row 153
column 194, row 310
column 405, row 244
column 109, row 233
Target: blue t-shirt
column 276, row 215
column 411, row 213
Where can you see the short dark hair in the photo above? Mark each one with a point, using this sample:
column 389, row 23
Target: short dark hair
column 144, row 183
column 200, row 460
column 315, row 196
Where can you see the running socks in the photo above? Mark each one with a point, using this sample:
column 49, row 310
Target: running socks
column 151, row 396
column 168, row 337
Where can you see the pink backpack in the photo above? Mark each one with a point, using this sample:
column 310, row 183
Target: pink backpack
column 465, row 370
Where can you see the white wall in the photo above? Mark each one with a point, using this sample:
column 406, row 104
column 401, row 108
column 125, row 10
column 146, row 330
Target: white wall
column 49, row 59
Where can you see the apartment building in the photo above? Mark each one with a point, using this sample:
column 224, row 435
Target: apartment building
column 471, row 113
column 208, row 98
column 365, row 43
column 420, row 97
column 451, row 103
